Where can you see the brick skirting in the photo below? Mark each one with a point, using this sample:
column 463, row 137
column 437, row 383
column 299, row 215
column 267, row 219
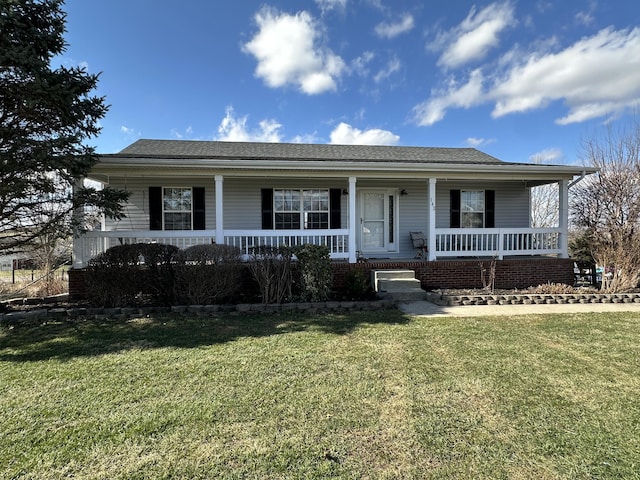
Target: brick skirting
column 512, row 273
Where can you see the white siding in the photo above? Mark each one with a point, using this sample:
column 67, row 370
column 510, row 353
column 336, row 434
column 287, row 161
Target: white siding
column 137, row 209
column 242, row 202
column 511, row 208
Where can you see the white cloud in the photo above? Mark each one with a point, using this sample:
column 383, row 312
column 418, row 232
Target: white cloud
column 175, row 133
column 548, row 155
column 479, row 142
column 596, row 76
column 345, row 134
column 475, row 36
column 289, row 51
column 465, row 96
column 328, row 5
column 360, row 64
column 232, row 129
column 390, row 30
column 307, row 138
column 392, row 67
column 130, row 132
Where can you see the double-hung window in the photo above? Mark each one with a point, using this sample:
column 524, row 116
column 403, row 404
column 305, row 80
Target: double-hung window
column 472, row 208
column 301, row 209
column 177, row 208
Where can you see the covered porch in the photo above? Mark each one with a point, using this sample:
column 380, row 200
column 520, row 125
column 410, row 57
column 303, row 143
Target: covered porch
column 395, row 216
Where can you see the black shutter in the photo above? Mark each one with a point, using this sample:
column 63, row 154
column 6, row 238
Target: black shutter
column 198, row 208
column 155, row 208
column 267, row 209
column 335, row 215
column 454, row 208
column 489, row 209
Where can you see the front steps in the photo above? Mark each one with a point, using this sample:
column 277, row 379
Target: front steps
column 397, row 285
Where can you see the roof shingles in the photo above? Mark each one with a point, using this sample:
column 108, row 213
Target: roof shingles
column 302, row 152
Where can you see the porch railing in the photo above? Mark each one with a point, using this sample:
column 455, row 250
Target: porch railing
column 92, row 243
column 499, row 242
column 449, row 242
column 249, row 240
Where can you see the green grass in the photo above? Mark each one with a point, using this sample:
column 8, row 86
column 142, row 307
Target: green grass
column 361, row 395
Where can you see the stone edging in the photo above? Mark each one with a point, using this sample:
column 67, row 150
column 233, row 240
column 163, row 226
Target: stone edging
column 40, row 315
column 530, row 299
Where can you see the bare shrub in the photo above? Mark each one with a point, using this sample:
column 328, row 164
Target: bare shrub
column 207, row 274
column 488, row 274
column 272, row 269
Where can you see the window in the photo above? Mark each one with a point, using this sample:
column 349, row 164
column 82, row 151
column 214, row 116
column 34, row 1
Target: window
column 286, row 205
column 295, row 209
column 176, row 208
column 472, row 209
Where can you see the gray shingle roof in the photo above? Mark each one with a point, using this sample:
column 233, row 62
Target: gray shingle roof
column 301, row 152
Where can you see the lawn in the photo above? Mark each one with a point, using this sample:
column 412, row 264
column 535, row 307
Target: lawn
column 360, row 395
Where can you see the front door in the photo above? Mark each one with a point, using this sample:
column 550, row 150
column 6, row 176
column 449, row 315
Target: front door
column 377, row 221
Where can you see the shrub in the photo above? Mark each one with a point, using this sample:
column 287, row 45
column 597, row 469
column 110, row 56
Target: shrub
column 356, row 285
column 111, row 277
column 207, row 274
column 271, row 268
column 125, row 274
column 157, row 271
column 315, row 274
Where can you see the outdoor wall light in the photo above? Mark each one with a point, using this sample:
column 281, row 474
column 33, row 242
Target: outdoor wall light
column 403, row 193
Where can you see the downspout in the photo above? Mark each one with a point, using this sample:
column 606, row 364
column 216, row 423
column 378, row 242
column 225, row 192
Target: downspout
column 579, row 179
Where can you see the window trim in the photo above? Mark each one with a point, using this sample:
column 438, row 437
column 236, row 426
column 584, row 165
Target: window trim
column 483, row 211
column 303, row 217
column 164, row 211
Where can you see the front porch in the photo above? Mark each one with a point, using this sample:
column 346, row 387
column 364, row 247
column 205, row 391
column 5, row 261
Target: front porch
column 446, row 242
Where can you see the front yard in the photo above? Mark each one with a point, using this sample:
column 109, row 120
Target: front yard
column 360, row 395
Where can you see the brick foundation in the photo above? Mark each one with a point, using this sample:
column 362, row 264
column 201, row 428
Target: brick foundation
column 77, row 285
column 517, row 273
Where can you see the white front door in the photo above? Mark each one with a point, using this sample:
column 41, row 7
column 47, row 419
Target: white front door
column 377, row 221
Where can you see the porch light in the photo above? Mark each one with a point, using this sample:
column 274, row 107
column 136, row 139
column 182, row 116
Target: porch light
column 345, row 191
column 403, row 193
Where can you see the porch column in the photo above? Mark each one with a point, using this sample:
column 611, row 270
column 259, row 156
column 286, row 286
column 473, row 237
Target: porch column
column 352, row 220
column 563, row 217
column 431, row 218
column 78, row 260
column 219, row 210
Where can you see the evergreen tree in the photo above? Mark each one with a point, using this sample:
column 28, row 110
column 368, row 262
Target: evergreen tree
column 46, row 116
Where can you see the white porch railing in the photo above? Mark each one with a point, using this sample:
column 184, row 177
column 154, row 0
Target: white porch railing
column 92, row 243
column 248, row 240
column 449, row 242
column 470, row 242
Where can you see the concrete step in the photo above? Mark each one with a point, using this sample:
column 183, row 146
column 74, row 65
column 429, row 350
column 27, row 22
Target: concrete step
column 401, row 290
column 377, row 275
column 399, row 285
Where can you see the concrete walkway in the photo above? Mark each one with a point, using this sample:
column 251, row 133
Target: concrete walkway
column 428, row 309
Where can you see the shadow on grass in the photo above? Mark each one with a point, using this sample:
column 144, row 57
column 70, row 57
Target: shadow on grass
column 67, row 340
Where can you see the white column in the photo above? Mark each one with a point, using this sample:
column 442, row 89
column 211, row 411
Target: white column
column 219, row 210
column 352, row 220
column 77, row 254
column 563, row 216
column 431, row 218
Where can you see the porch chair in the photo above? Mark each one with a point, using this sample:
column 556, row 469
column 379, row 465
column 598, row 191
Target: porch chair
column 420, row 243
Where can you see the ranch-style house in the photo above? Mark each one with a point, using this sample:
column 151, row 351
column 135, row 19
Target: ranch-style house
column 435, row 210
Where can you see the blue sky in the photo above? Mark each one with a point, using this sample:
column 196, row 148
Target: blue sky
column 516, row 79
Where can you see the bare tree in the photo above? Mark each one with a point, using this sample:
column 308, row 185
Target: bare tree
column 544, row 201
column 607, row 205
